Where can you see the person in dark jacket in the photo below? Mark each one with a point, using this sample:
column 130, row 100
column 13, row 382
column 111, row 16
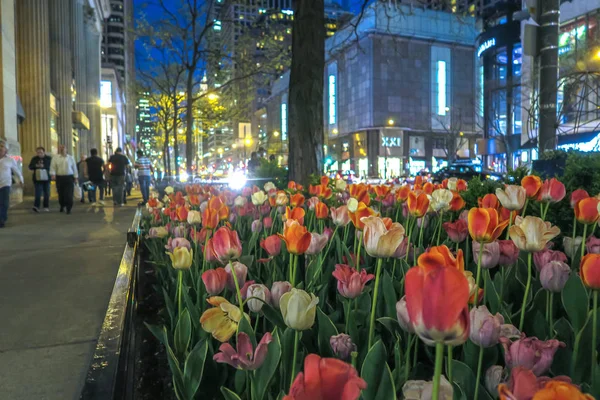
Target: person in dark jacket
column 40, row 165
column 119, row 165
column 95, row 168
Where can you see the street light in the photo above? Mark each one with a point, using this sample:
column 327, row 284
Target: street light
column 213, row 96
column 248, row 142
column 276, row 133
column 390, row 122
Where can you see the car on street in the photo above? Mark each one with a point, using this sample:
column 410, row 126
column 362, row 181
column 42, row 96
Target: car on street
column 464, row 171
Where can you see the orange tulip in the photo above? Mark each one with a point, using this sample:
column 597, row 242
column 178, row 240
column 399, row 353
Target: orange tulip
column 296, row 237
column 559, row 390
column 586, row 210
column 294, row 186
column 381, row 239
column 324, row 180
column 428, row 188
column 441, row 255
column 224, row 213
column 381, row 191
column 485, row 225
column 194, row 199
column 489, row 201
column 402, row 193
column 589, row 270
column 436, row 299
column 418, row 180
column 532, row 185
column 296, row 213
column 210, row 218
column 457, row 203
column 321, row 191
column 360, row 192
column 182, row 213
column 321, row 210
column 297, row 200
column 418, row 204
column 361, row 211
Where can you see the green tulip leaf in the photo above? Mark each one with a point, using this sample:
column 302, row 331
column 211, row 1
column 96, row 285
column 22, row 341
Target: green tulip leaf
column 246, row 327
column 564, row 332
column 389, row 295
column 194, row 369
column 193, row 310
column 170, row 306
column 287, row 346
column 391, row 324
column 157, row 331
column 575, row 301
column 274, row 316
column 464, row 377
column 228, row 394
column 247, row 260
column 265, row 373
column 581, row 364
column 380, row 384
column 492, row 296
column 326, row 330
column 175, row 370
column 183, row 333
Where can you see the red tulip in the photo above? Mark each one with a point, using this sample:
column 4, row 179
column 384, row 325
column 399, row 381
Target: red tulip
column 457, row 231
column 457, row 203
column 326, row 379
column 210, row 218
column 436, row 298
column 321, row 210
column 589, row 270
column 586, row 210
column 272, row 245
column 509, row 252
column 226, row 245
column 532, row 185
column 490, row 200
column 577, row 196
column 552, row 191
column 214, row 280
column 530, row 353
column 350, row 283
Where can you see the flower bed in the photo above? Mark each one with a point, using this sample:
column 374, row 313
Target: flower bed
column 376, row 292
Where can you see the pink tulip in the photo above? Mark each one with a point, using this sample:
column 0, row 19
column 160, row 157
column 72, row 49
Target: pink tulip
column 554, row 276
column 340, row 216
column 592, row 245
column 485, row 328
column 350, row 283
column 541, row 258
column 241, row 272
column 509, row 252
column 490, row 255
column 552, row 191
column 278, row 289
column 312, row 202
column 244, row 357
column 530, row 353
column 272, row 245
column 267, row 222
column 244, row 289
column 317, row 243
column 256, row 226
column 342, row 346
column 265, row 209
column 402, row 248
column 402, row 316
column 328, row 232
column 177, row 242
column 259, row 291
column 457, row 231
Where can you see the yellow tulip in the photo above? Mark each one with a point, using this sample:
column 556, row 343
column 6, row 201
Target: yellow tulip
column 378, row 239
column 259, row 198
column 181, row 257
column 222, row 320
column 532, row 233
column 512, row 197
column 440, row 200
column 298, row 309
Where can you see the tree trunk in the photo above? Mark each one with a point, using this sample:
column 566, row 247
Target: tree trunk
column 306, row 90
column 176, row 140
column 166, row 157
column 189, row 121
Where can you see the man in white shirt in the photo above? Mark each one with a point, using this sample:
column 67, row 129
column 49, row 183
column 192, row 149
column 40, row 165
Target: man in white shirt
column 8, row 168
column 64, row 170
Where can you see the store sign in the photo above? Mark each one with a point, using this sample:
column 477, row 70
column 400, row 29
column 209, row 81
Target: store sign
column 391, row 141
column 488, row 44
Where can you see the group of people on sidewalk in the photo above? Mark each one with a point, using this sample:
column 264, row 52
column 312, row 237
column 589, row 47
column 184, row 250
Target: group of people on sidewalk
column 88, row 174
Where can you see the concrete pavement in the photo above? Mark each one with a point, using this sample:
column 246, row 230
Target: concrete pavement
column 56, row 276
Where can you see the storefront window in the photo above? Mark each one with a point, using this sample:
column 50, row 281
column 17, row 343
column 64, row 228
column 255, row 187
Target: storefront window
column 497, row 113
column 517, row 59
column 499, row 72
column 517, row 119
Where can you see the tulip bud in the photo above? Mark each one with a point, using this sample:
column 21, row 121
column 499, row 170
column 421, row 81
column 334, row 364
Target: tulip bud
column 509, row 252
column 240, row 201
column 485, row 327
column 592, row 245
column 342, row 346
column 203, row 206
column 571, row 246
column 351, row 283
column 422, row 390
column 340, row 216
column 256, row 226
column 298, row 309
column 173, row 243
column 352, row 204
column 265, row 209
column 272, row 245
column 214, row 280
column 328, row 232
column 278, row 289
column 489, row 256
column 281, row 199
column 259, row 291
column 194, row 217
column 402, row 315
column 181, row 258
column 493, row 377
column 244, row 289
column 554, row 276
column 179, row 231
column 457, row 231
column 169, row 190
column 312, row 203
column 241, row 272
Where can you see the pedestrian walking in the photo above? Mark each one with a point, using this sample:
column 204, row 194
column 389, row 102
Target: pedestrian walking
column 40, row 165
column 64, row 171
column 144, row 172
column 8, row 170
column 118, row 167
column 95, row 168
column 83, row 176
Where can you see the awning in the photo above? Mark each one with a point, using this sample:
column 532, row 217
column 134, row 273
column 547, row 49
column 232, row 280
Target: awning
column 20, row 110
column 80, row 120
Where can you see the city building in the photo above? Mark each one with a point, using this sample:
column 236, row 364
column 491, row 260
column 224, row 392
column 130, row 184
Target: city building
column 508, row 83
column 145, row 132
column 50, row 54
column 399, row 95
column 118, row 51
column 265, row 28
column 112, row 102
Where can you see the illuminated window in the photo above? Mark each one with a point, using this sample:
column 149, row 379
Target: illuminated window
column 217, row 25
column 332, row 100
column 283, row 121
column 441, row 87
column 105, row 94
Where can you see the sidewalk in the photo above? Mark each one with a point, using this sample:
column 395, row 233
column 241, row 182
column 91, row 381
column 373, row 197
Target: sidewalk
column 56, row 276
